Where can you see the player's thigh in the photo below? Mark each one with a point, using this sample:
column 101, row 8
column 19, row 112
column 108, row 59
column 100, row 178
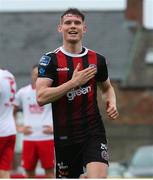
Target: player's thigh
column 4, row 174
column 69, row 162
column 96, row 170
column 46, row 153
column 29, row 155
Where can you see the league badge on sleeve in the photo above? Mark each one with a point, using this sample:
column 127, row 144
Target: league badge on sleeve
column 42, row 71
column 44, row 61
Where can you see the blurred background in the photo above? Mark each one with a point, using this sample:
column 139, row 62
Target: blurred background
column 122, row 30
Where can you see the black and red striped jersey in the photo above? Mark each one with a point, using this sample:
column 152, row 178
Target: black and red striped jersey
column 76, row 115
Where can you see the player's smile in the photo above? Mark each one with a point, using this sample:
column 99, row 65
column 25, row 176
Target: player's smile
column 72, row 32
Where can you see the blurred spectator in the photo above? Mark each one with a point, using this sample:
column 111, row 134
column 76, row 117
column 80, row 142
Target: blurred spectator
column 7, row 124
column 38, row 141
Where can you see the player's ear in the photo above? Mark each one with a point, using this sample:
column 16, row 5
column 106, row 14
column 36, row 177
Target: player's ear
column 59, row 28
column 84, row 29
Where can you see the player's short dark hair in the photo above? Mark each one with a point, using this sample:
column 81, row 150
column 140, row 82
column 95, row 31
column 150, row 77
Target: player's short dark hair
column 74, row 11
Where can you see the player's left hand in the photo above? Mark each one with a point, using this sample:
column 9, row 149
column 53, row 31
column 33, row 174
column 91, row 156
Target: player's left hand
column 111, row 110
column 47, row 129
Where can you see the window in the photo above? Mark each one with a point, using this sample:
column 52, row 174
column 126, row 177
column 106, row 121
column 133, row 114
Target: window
column 149, row 56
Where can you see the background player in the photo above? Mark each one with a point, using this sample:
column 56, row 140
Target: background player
column 7, row 124
column 38, row 130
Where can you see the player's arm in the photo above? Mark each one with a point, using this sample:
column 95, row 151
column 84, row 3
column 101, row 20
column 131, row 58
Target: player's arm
column 15, row 111
column 110, row 97
column 17, row 108
column 20, row 128
column 47, row 94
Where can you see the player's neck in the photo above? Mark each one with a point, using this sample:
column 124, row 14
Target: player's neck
column 73, row 48
column 33, row 85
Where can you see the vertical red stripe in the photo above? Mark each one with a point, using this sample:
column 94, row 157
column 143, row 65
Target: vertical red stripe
column 92, row 59
column 78, row 99
column 76, row 61
column 62, row 78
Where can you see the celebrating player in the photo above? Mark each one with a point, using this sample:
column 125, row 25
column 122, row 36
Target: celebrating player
column 68, row 78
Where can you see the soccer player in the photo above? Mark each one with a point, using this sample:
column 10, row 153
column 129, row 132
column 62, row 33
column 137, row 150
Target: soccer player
column 68, row 78
column 38, row 141
column 7, row 123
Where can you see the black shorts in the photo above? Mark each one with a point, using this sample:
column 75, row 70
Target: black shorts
column 71, row 159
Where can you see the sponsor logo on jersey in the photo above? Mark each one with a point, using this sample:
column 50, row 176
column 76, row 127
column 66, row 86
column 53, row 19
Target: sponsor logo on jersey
column 36, row 109
column 78, row 92
column 62, row 69
column 44, row 61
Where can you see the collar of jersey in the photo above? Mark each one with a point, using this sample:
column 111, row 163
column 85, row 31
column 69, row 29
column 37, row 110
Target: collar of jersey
column 74, row 55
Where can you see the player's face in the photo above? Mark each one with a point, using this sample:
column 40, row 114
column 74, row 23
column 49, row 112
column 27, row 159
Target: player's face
column 72, row 28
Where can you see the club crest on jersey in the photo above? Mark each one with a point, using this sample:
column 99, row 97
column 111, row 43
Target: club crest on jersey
column 93, row 65
column 44, row 61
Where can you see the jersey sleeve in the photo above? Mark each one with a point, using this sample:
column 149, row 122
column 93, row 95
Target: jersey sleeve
column 46, row 67
column 102, row 71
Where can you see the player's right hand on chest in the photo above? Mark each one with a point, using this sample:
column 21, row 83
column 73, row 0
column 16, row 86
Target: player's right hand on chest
column 80, row 77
